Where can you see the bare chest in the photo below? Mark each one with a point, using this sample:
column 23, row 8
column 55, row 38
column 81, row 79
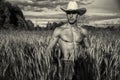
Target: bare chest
column 72, row 35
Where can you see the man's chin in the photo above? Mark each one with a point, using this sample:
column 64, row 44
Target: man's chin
column 71, row 22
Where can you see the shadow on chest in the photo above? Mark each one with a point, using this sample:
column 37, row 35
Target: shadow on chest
column 74, row 35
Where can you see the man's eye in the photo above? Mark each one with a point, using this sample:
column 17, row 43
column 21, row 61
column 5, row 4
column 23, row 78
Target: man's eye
column 68, row 13
column 71, row 12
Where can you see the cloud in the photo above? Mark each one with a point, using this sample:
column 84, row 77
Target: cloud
column 103, row 6
column 118, row 2
column 18, row 0
column 53, row 6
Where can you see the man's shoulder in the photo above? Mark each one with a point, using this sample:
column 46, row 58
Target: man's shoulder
column 58, row 30
column 64, row 26
column 61, row 27
column 84, row 31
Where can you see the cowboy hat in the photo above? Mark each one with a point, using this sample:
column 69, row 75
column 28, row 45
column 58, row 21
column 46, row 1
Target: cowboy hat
column 73, row 7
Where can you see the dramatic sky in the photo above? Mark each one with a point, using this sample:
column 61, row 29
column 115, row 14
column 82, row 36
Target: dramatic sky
column 42, row 11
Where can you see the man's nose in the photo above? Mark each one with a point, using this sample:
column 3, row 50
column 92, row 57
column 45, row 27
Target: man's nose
column 71, row 15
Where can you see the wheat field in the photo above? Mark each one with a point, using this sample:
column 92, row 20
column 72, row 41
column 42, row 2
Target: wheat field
column 22, row 56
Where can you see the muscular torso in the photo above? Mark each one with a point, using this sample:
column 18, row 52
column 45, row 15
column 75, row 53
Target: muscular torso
column 69, row 41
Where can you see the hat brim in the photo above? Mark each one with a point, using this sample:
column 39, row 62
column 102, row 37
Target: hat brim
column 80, row 11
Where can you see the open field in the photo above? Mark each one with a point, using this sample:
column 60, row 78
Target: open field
column 22, row 56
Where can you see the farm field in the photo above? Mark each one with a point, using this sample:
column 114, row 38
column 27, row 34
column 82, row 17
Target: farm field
column 22, row 56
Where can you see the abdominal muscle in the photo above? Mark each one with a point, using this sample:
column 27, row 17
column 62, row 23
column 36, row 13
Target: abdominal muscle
column 69, row 50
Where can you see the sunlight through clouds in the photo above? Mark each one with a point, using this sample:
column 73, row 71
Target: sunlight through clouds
column 51, row 8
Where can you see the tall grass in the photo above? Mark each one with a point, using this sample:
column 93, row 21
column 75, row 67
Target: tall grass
column 22, row 56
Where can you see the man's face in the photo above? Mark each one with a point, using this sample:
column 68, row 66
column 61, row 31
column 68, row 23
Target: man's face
column 72, row 17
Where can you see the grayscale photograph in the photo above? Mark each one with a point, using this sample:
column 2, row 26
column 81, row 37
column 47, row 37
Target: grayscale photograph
column 59, row 39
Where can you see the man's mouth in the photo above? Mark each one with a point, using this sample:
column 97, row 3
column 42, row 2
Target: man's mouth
column 71, row 19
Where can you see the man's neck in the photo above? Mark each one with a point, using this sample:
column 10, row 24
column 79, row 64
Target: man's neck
column 73, row 25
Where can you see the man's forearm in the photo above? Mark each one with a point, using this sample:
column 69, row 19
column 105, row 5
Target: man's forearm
column 87, row 43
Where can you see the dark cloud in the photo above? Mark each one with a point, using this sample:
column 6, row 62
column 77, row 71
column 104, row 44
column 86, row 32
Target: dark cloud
column 50, row 4
column 50, row 9
column 118, row 2
column 94, row 5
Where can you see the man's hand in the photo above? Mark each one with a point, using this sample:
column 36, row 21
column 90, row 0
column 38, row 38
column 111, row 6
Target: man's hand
column 52, row 43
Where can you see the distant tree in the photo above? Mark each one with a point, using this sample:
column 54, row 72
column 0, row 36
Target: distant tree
column 2, row 16
column 52, row 26
column 49, row 26
column 38, row 27
column 30, row 25
column 11, row 15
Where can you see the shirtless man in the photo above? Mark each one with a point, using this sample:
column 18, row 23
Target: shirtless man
column 69, row 37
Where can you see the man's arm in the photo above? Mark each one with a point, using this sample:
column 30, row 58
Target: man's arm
column 87, row 42
column 53, row 40
column 51, row 44
column 86, row 39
